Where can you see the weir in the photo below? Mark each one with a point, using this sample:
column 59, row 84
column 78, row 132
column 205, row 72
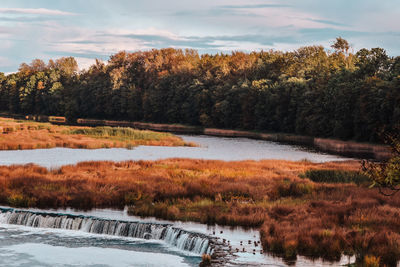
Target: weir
column 196, row 243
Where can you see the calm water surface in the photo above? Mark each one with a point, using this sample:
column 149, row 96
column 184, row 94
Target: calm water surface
column 215, row 148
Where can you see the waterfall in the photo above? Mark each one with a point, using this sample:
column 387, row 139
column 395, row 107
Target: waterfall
column 188, row 241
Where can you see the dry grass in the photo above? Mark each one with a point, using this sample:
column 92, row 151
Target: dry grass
column 32, row 135
column 124, row 183
column 296, row 215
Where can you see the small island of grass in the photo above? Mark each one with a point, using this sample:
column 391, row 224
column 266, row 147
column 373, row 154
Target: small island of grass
column 15, row 134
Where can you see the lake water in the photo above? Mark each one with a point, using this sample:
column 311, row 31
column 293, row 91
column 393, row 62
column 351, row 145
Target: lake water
column 27, row 246
column 215, row 148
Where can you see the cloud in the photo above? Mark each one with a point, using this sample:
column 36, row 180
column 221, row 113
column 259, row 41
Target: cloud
column 85, row 63
column 29, row 19
column 56, row 29
column 251, row 16
column 328, row 22
column 36, row 11
column 253, row 6
column 208, row 44
column 101, row 44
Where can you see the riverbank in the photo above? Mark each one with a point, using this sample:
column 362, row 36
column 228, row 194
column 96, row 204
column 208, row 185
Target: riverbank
column 339, row 147
column 296, row 213
column 16, row 134
column 345, row 148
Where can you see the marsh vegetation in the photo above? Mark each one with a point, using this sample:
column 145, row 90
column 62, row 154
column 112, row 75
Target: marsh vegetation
column 15, row 134
column 296, row 216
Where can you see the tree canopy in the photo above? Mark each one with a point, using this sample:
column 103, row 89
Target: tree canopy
column 310, row 91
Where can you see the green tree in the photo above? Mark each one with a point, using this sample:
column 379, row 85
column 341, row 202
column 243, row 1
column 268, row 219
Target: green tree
column 309, row 91
column 386, row 175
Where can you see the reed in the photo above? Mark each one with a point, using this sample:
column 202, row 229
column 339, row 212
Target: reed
column 33, row 135
column 122, row 133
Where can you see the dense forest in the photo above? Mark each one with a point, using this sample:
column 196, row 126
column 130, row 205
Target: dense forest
column 310, row 91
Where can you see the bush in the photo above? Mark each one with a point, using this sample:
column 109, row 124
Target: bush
column 294, row 189
column 336, row 176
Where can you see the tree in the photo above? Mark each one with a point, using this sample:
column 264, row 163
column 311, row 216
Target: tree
column 309, row 91
column 341, row 45
column 386, row 175
column 374, row 62
column 67, row 65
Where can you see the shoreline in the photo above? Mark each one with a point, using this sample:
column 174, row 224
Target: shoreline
column 27, row 135
column 338, row 147
column 378, row 152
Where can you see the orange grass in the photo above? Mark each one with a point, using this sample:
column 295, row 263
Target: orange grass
column 296, row 216
column 33, row 135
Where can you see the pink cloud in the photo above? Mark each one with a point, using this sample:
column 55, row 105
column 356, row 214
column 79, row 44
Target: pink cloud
column 36, row 11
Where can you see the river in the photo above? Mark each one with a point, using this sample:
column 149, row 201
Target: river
column 54, row 241
column 215, row 148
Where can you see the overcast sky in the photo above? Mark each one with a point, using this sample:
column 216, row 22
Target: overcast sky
column 89, row 29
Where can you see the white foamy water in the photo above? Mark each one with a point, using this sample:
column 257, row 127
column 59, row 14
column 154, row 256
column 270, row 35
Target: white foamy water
column 213, row 148
column 195, row 243
column 236, row 237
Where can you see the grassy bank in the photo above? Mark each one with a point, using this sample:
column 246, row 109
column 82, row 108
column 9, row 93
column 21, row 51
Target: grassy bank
column 16, row 134
column 296, row 216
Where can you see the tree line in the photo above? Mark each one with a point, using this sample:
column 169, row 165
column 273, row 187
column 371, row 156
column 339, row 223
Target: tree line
column 310, row 91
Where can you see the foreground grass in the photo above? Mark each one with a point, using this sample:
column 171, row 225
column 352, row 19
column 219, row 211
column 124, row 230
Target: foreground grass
column 296, row 216
column 32, row 135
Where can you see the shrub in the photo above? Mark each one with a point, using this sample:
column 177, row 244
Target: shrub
column 336, row 176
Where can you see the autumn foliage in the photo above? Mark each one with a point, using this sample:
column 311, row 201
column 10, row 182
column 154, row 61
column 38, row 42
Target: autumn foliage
column 310, row 91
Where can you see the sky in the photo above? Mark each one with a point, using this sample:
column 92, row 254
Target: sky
column 90, row 29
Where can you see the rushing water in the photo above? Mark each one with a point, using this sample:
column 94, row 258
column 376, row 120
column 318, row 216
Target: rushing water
column 218, row 148
column 192, row 242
